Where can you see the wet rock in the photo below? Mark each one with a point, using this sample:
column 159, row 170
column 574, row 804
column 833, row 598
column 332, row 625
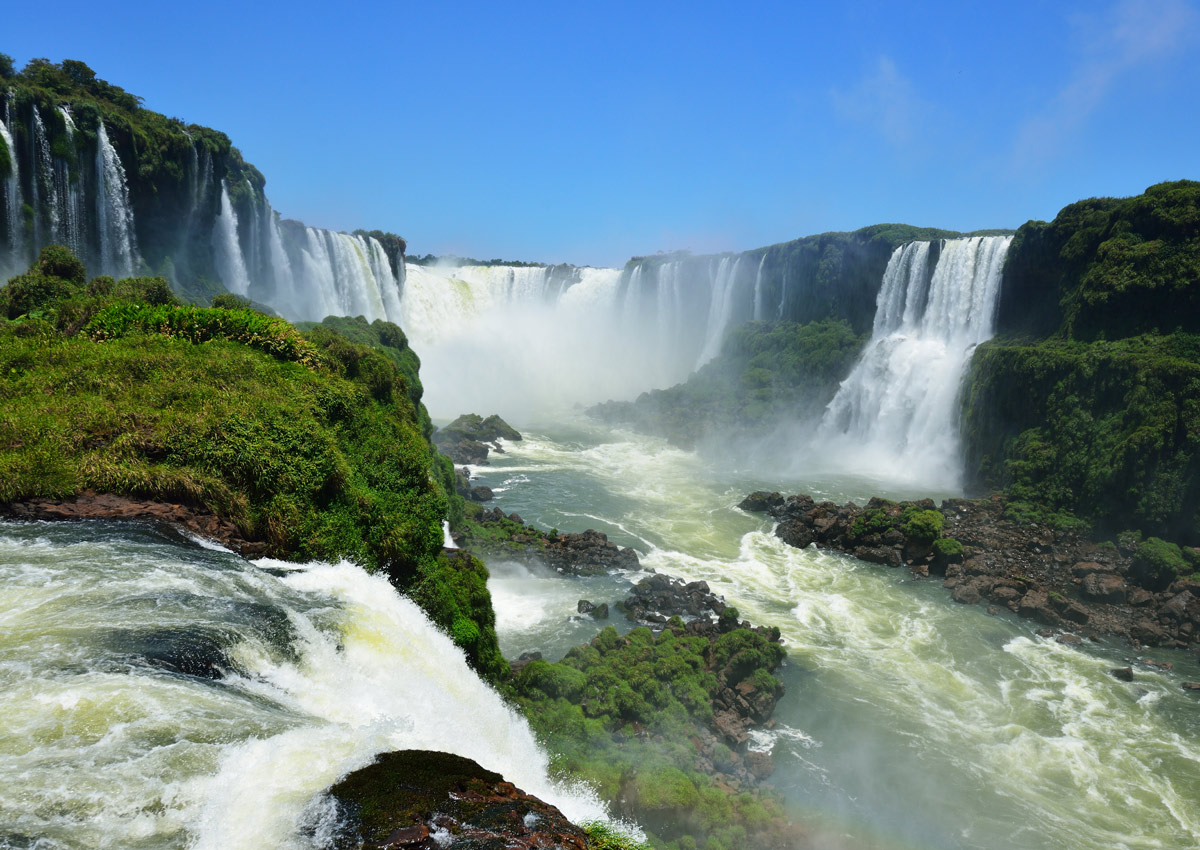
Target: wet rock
column 1069, row 639
column 1191, row 686
column 1105, row 587
column 588, row 553
column 760, row 501
column 658, row 597
column 419, row 799
column 1125, row 674
column 482, row 494
column 795, row 533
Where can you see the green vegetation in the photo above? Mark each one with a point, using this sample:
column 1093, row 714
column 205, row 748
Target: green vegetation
column 623, row 713
column 157, row 155
column 601, row 836
column 1108, row 268
column 1087, row 408
column 1108, row 431
column 1157, row 563
column 311, row 444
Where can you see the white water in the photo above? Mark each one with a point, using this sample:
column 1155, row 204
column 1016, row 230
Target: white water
column 492, row 335
column 910, row 720
column 897, row 411
column 101, row 747
column 114, row 214
column 720, row 308
column 227, row 249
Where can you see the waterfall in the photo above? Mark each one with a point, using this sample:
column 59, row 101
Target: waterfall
column 898, row 408
column 70, row 225
column 758, row 306
column 227, row 249
column 720, row 309
column 42, row 181
column 114, row 214
column 13, row 215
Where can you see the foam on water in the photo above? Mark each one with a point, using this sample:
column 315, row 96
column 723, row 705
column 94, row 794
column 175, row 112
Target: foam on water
column 929, row 721
column 113, row 746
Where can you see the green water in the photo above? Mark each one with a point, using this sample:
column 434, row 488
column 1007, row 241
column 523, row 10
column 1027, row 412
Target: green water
column 910, row 720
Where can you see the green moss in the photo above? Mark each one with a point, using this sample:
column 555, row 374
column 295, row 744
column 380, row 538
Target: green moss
column 923, row 525
column 1157, row 563
column 622, row 713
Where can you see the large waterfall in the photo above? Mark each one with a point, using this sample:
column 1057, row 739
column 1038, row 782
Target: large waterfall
column 898, row 409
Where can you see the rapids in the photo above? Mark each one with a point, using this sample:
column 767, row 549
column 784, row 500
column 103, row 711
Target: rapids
column 157, row 693
column 910, row 720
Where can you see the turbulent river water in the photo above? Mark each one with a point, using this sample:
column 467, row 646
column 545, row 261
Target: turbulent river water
column 910, row 720
column 159, row 694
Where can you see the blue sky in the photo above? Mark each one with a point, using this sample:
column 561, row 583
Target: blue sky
column 591, row 132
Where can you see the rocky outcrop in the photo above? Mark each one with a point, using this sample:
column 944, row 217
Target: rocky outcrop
column 89, row 504
column 469, row 437
column 1055, row 577
column 658, row 597
column 420, row 800
column 492, row 533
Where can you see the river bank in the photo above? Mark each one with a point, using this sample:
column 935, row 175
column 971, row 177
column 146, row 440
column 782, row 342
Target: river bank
column 1058, row 577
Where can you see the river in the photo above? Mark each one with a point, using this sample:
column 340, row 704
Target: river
column 910, row 720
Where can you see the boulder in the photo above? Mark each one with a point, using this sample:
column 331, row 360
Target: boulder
column 482, row 494
column 1104, row 587
column 419, row 799
column 760, row 501
column 795, row 533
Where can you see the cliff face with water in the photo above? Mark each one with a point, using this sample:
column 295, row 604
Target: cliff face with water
column 131, row 191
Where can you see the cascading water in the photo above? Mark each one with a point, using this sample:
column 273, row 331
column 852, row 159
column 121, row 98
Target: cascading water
column 720, row 309
column 114, row 214
column 12, row 200
column 42, row 184
column 898, row 408
column 758, row 305
column 163, row 695
column 69, row 199
column 227, row 249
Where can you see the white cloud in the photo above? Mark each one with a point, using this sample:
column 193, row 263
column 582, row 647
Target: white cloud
column 886, row 101
column 1130, row 35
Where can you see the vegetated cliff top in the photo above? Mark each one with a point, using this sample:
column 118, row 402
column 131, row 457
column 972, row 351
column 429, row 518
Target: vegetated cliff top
column 1108, row 267
column 311, row 445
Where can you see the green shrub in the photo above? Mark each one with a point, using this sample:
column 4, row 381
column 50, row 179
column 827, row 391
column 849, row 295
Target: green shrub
column 947, row 550
column 923, row 525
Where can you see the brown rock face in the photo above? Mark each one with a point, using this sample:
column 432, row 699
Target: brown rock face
column 92, row 505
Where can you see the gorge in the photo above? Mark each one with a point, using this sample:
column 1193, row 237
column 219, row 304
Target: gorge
column 166, row 692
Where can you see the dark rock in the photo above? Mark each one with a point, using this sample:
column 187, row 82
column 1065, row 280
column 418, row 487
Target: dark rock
column 405, row 797
column 584, row 607
column 1191, row 686
column 482, row 494
column 761, row 501
column 1069, row 639
column 795, row 533
column 878, row 555
column 1125, row 674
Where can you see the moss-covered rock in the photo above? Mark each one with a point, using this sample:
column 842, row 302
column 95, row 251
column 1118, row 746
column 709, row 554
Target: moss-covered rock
column 418, row 798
